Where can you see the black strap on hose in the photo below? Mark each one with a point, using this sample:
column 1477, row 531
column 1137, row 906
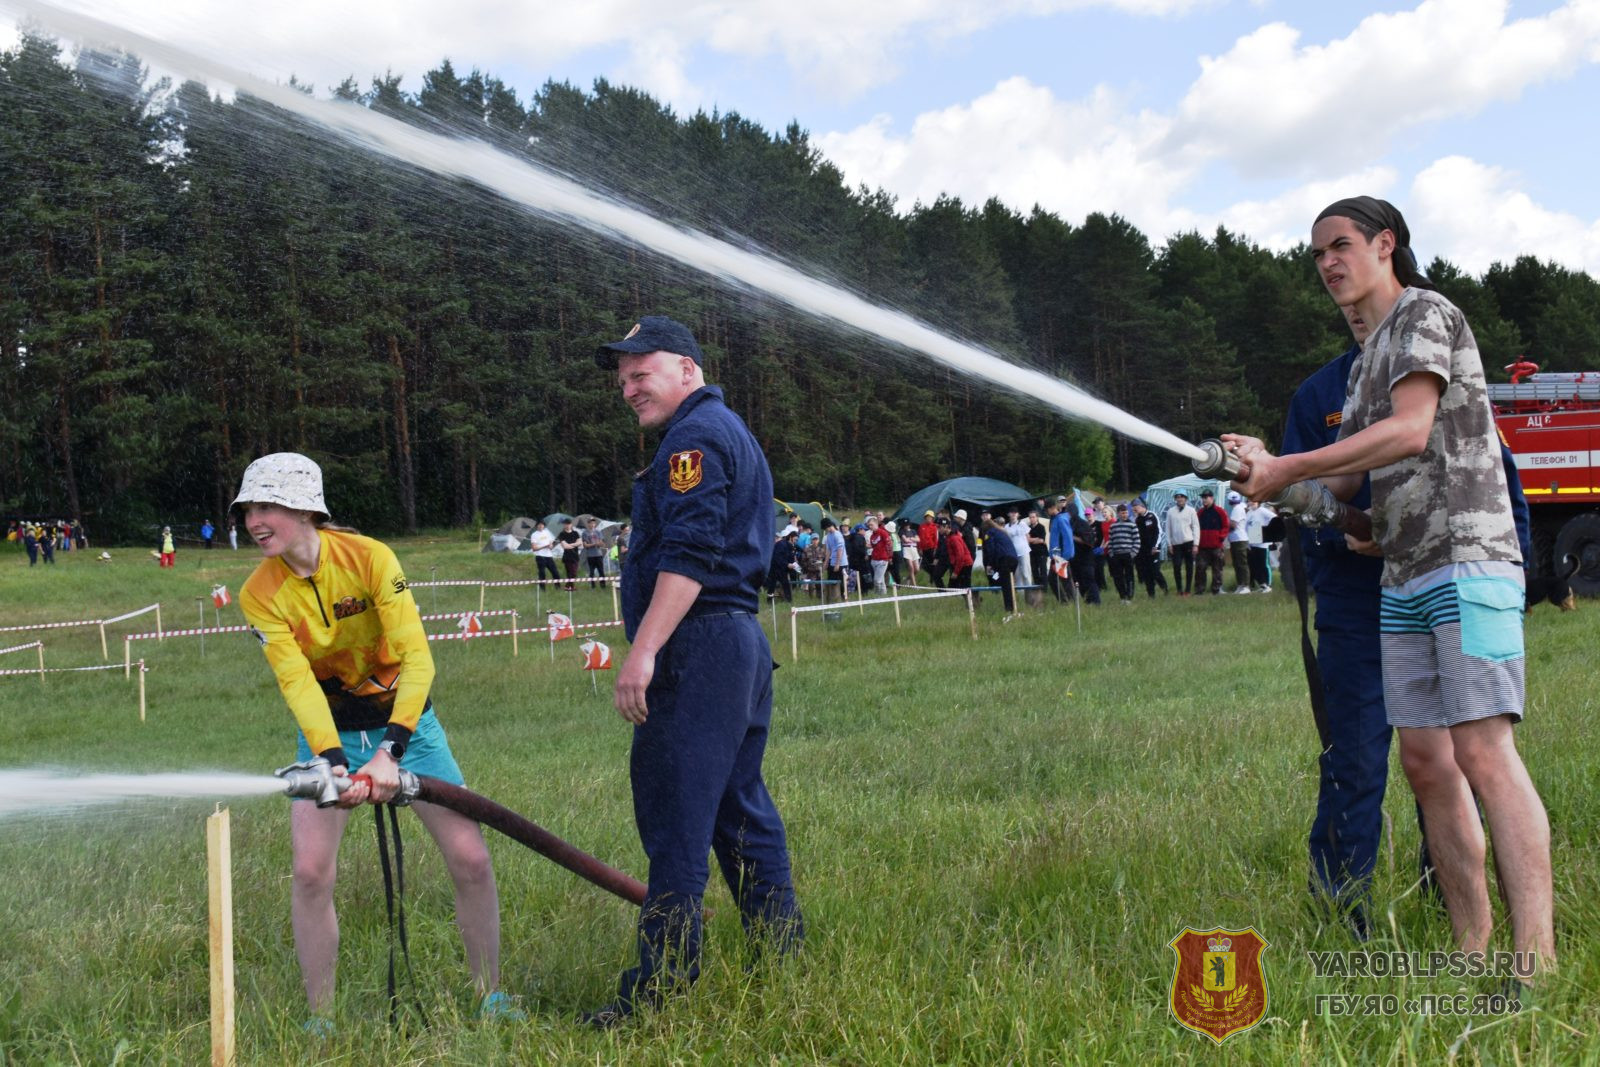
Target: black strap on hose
column 1308, row 651
column 394, row 899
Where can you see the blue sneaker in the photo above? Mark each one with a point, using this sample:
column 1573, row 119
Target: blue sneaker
column 498, row 1006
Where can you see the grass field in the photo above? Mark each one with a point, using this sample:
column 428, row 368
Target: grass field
column 994, row 841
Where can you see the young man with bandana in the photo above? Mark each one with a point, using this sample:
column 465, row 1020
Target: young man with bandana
column 697, row 682
column 1417, row 417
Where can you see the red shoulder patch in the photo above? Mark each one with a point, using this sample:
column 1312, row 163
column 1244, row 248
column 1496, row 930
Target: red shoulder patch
column 684, row 469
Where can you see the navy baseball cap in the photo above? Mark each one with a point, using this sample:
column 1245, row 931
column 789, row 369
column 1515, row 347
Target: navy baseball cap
column 653, row 333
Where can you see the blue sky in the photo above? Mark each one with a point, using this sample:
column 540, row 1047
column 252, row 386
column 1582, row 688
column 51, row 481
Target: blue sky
column 1477, row 117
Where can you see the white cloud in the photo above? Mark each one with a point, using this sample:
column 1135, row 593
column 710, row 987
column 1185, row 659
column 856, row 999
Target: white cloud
column 1267, row 106
column 1273, row 107
column 839, row 47
column 1473, row 214
column 1284, row 221
column 1020, row 143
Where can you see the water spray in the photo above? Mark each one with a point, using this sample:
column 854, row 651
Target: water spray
column 1311, row 502
column 545, row 193
column 314, row 780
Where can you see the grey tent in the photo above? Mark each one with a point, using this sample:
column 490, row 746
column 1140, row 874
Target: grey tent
column 552, row 521
column 608, row 527
column 512, row 537
column 969, row 493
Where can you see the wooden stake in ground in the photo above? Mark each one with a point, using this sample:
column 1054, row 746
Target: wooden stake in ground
column 41, row 662
column 894, row 587
column 972, row 616
column 616, row 608
column 127, row 652
column 513, row 634
column 141, row 690
column 219, row 883
column 794, row 633
column 482, row 589
column 105, row 653
column 159, row 637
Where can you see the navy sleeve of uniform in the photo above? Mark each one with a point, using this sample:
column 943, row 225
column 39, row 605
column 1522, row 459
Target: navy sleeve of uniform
column 1305, row 428
column 694, row 500
column 1519, row 505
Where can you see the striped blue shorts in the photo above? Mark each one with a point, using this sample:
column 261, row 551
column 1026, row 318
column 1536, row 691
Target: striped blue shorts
column 428, row 751
column 1452, row 645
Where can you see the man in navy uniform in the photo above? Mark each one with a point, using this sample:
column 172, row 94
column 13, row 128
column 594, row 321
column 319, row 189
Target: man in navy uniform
column 1355, row 759
column 697, row 682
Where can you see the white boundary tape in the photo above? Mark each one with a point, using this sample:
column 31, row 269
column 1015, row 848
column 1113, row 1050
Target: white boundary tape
column 23, row 648
column 439, row 583
column 64, row 670
column 131, row 614
column 887, row 600
column 67, row 625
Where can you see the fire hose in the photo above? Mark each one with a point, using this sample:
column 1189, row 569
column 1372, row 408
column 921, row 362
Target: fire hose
column 1310, row 502
column 314, row 780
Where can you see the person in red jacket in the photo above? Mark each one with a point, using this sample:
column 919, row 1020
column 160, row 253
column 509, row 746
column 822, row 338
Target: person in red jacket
column 955, row 547
column 1213, row 540
column 928, row 538
column 881, row 545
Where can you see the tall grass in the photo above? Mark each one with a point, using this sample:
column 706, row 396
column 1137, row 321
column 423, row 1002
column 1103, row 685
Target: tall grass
column 994, row 841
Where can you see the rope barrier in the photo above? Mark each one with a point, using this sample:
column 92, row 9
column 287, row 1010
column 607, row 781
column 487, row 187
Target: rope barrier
column 23, row 648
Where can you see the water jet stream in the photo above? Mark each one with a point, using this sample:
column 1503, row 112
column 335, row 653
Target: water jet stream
column 33, row 791
column 545, row 193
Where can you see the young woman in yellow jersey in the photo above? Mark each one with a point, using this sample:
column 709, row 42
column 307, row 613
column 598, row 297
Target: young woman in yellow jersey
column 341, row 630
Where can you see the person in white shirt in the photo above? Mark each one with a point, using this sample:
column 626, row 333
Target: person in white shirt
column 1183, row 541
column 1256, row 520
column 1238, row 543
column 1017, row 529
column 544, row 557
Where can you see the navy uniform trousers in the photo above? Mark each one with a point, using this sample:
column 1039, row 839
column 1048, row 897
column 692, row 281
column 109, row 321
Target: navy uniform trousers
column 697, row 789
column 1355, row 766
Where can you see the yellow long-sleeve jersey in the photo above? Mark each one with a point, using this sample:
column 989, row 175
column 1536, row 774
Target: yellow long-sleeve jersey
column 346, row 644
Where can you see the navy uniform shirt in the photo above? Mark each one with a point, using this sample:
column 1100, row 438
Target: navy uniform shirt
column 702, row 509
column 1313, row 422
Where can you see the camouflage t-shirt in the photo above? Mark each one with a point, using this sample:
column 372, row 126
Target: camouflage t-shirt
column 1449, row 504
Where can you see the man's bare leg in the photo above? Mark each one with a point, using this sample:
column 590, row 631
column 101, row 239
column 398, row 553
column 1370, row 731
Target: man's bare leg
column 1519, row 826
column 1455, row 836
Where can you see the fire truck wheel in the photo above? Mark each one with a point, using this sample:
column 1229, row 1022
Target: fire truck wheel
column 1580, row 538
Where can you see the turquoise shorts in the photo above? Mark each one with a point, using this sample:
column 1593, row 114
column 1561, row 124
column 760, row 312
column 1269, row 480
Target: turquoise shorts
column 427, row 753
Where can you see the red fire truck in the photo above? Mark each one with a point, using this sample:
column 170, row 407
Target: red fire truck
column 1551, row 422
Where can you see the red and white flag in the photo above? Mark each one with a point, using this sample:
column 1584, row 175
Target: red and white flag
column 560, row 626
column 596, row 656
column 1063, row 568
column 220, row 597
column 469, row 623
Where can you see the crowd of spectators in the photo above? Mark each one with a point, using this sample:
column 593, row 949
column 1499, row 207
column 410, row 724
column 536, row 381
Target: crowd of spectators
column 1065, row 547
column 41, row 540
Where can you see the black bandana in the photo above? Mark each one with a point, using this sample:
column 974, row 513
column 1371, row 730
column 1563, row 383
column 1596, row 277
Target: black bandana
column 1379, row 215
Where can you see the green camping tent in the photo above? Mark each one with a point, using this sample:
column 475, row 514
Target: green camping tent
column 812, row 512
column 969, row 493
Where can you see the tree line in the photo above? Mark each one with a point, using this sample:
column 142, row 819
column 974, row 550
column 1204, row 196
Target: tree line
column 187, row 282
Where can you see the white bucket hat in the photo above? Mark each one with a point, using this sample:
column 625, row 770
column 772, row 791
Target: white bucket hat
column 284, row 478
